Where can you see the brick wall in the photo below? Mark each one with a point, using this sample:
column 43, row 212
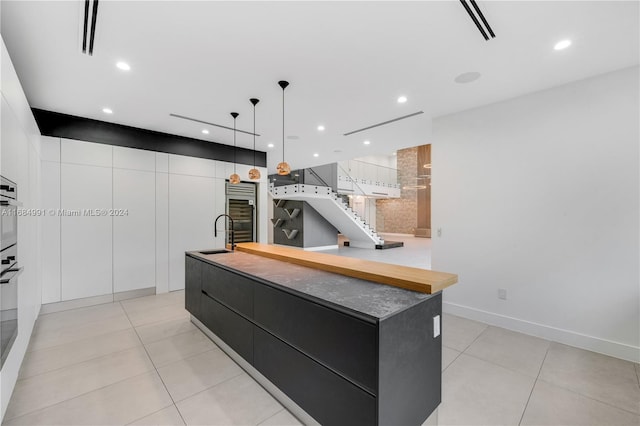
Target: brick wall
column 400, row 215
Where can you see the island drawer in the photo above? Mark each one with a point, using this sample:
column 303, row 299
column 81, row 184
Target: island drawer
column 327, row 397
column 231, row 289
column 193, row 285
column 236, row 331
column 345, row 344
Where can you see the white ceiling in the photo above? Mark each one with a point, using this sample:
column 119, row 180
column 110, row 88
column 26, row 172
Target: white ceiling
column 347, row 62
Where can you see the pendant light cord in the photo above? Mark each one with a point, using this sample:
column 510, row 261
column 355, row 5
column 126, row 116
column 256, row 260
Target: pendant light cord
column 254, row 136
column 234, row 145
column 283, row 124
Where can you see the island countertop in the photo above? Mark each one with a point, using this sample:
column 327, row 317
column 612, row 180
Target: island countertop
column 371, row 299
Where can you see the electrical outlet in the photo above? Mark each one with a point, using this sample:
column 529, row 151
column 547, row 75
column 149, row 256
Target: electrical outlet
column 436, row 326
column 439, row 232
column 502, row 294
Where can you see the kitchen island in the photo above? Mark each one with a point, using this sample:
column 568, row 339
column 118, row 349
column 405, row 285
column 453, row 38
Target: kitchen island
column 345, row 350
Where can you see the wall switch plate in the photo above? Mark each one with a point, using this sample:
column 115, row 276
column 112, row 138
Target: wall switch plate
column 436, row 326
column 502, row 294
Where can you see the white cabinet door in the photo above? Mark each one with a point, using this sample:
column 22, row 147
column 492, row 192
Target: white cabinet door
column 86, row 245
column 134, row 245
column 50, row 232
column 191, row 216
column 162, row 232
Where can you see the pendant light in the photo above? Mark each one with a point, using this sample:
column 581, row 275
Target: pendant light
column 283, row 168
column 254, row 173
column 234, row 178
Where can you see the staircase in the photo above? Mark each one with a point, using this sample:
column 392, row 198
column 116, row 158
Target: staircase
column 333, row 209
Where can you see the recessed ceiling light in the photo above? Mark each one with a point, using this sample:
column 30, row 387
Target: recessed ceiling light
column 402, row 99
column 467, row 77
column 563, row 44
column 316, row 155
column 321, row 128
column 270, row 145
column 366, row 142
column 205, row 131
column 107, row 110
column 123, row 66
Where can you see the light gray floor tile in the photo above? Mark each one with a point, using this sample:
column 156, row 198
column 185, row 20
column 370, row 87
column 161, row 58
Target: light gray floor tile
column 161, row 330
column 50, row 388
column 153, row 302
column 75, row 317
column 509, row 349
column 239, row 401
column 119, row 403
column 638, row 372
column 85, row 330
column 432, row 420
column 179, row 347
column 192, row 375
column 166, row 417
column 458, row 333
column 476, row 392
column 159, row 314
column 41, row 361
column 415, row 253
column 448, row 355
column 283, row 418
column 552, row 405
column 597, row 376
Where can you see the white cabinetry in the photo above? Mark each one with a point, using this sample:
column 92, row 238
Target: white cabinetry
column 86, row 241
column 192, row 203
column 134, row 245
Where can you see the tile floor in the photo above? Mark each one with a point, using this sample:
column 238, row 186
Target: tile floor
column 142, row 362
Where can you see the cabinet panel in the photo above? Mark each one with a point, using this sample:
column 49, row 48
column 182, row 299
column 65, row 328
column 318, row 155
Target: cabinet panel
column 136, row 159
column 88, row 153
column 162, row 232
column 236, row 331
column 134, row 248
column 231, row 289
column 327, row 397
column 180, row 164
column 86, row 241
column 191, row 207
column 50, row 233
column 344, row 343
column 193, row 286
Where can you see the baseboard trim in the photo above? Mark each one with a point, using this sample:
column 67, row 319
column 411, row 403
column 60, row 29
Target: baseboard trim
column 567, row 337
column 287, row 402
column 66, row 305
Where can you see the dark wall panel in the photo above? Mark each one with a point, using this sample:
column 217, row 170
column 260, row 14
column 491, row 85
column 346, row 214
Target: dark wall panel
column 85, row 129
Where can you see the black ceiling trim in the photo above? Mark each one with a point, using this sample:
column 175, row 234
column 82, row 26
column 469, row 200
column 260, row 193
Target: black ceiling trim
column 211, row 124
column 475, row 19
column 94, row 17
column 481, row 15
column 85, row 129
column 384, row 123
column 86, row 26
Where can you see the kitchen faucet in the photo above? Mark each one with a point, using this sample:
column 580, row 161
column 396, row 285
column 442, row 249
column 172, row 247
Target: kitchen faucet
column 215, row 229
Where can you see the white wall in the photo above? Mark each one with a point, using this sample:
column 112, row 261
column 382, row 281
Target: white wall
column 20, row 162
column 170, row 201
column 539, row 195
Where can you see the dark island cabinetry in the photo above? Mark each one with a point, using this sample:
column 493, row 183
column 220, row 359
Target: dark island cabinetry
column 343, row 365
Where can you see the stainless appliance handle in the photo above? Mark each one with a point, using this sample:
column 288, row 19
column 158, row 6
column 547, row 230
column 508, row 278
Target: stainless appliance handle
column 15, row 271
column 10, row 202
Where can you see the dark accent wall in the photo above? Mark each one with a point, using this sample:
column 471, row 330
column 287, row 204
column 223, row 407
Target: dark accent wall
column 71, row 127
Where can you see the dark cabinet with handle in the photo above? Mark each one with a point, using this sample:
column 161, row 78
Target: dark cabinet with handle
column 341, row 368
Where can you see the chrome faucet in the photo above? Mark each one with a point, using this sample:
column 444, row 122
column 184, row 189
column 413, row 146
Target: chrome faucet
column 215, row 229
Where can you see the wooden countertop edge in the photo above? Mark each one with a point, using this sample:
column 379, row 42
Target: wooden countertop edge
column 421, row 280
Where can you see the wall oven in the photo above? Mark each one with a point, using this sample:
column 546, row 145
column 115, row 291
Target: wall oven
column 9, row 267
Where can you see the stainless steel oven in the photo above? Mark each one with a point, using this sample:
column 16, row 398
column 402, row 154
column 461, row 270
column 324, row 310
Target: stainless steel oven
column 8, row 214
column 9, row 266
